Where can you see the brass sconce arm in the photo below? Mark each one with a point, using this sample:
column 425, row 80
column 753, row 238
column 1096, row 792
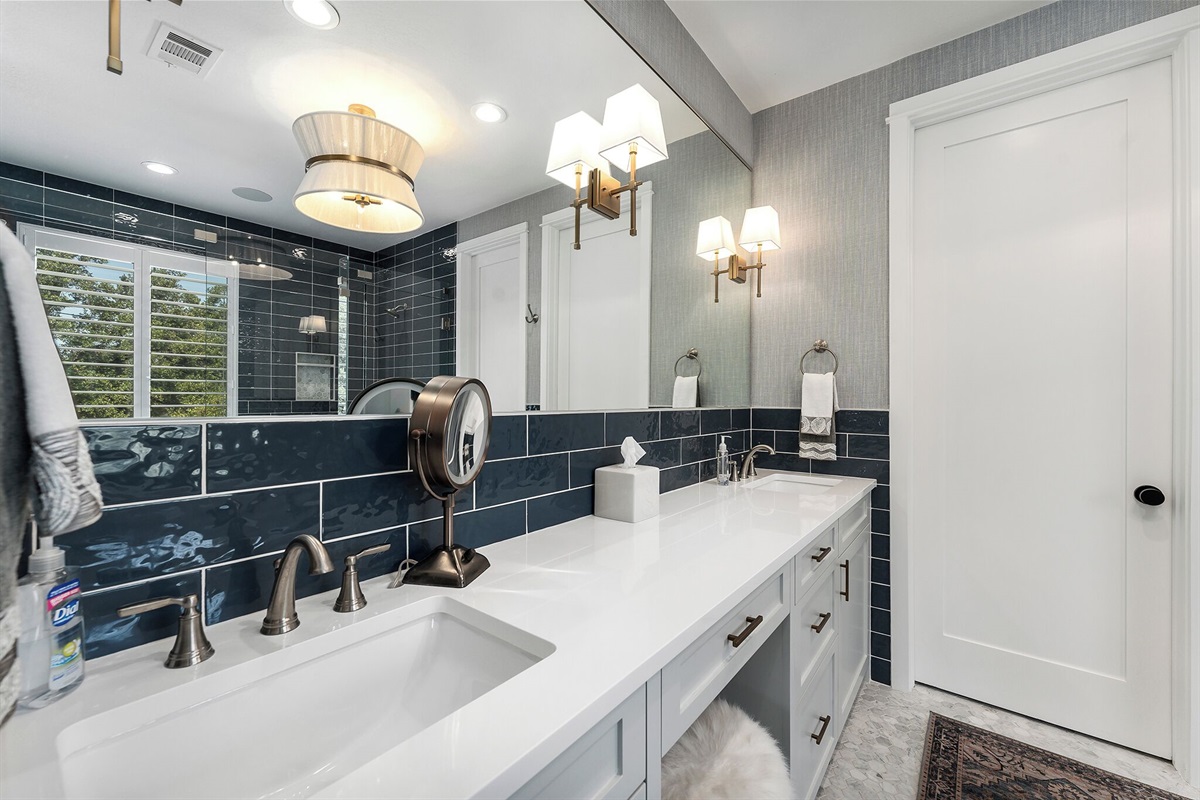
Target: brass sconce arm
column 735, row 269
column 758, row 265
column 604, row 194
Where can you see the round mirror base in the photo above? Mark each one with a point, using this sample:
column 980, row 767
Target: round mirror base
column 452, row 567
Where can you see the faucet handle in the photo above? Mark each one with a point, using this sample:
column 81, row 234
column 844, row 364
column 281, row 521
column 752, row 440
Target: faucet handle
column 191, row 645
column 351, row 597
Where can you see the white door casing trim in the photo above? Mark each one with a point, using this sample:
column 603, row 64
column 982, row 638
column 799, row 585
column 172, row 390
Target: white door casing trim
column 1177, row 37
column 554, row 227
column 467, row 287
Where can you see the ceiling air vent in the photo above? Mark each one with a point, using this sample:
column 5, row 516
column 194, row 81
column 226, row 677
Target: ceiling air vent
column 179, row 49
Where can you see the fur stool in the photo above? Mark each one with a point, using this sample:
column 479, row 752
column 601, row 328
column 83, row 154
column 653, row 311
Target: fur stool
column 725, row 755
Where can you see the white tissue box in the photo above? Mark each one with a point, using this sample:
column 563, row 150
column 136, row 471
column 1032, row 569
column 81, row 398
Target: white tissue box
column 628, row 494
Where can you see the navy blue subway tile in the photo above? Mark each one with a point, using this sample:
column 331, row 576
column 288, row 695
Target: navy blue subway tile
column 881, row 596
column 584, row 464
column 678, row 477
column 233, row 590
column 142, row 203
column 715, row 420
column 881, row 571
column 840, row 441
column 662, row 454
column 521, row 478
column 19, row 190
column 708, row 469
column 555, row 509
column 106, row 633
column 202, row 217
column 881, row 671
column 881, row 521
column 248, row 454
column 641, row 425
column 698, row 448
column 556, row 433
column 72, row 186
column 508, row 436
column 856, row 421
column 474, row 529
column 881, row 646
column 854, row 468
column 868, row 446
column 785, row 461
column 133, row 543
column 741, row 418
column 881, row 545
column 763, row 437
column 145, row 462
column 881, row 497
column 680, row 423
column 242, row 226
column 787, row 441
column 356, row 505
column 776, row 418
column 881, row 621
column 18, row 173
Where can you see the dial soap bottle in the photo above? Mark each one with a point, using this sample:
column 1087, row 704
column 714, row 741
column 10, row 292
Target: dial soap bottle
column 50, row 647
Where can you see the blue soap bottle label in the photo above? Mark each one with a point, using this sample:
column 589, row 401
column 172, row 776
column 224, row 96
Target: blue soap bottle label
column 66, row 646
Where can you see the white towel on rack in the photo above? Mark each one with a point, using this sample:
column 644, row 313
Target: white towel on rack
column 686, row 392
column 818, row 404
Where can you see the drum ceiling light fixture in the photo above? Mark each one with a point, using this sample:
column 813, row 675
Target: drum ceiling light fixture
column 359, row 171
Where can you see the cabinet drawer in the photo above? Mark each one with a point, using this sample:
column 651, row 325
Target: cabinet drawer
column 814, row 629
column 814, row 561
column 852, row 522
column 606, row 763
column 813, row 719
column 697, row 675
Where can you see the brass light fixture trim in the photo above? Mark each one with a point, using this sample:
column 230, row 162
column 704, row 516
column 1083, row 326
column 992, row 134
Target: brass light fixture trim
column 114, row 63
column 450, row 431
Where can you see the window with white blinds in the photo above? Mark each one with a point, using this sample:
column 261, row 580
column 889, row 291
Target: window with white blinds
column 142, row 332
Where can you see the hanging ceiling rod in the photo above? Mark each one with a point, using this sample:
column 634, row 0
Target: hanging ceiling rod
column 114, row 35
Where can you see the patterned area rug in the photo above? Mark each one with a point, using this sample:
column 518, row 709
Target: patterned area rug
column 963, row 762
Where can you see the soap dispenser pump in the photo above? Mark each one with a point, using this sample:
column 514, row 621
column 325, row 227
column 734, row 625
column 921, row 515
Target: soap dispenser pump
column 722, row 463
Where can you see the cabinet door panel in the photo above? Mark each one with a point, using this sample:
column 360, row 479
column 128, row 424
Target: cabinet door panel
column 853, row 578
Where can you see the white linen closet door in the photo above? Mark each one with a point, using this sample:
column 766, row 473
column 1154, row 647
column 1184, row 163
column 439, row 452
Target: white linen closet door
column 1042, row 358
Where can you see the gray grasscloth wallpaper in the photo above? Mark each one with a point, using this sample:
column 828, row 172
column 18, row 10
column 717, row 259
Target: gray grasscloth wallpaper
column 700, row 179
column 821, row 160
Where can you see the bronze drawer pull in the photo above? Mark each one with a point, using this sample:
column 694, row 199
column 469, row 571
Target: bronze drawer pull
column 738, row 638
column 820, row 626
column 845, row 593
column 819, row 735
column 820, row 556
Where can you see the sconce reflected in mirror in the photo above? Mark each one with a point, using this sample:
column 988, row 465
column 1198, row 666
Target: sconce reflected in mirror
column 632, row 132
column 450, row 431
column 313, row 324
column 715, row 243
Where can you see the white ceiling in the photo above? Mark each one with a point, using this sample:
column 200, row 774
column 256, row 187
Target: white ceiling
column 771, row 51
column 419, row 64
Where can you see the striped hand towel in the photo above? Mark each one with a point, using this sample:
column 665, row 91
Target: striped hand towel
column 818, row 403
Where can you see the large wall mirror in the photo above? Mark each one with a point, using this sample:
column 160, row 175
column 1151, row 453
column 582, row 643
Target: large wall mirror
column 205, row 293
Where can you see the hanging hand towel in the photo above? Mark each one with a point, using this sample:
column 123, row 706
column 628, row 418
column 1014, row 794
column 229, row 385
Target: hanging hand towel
column 686, row 391
column 65, row 493
column 818, row 402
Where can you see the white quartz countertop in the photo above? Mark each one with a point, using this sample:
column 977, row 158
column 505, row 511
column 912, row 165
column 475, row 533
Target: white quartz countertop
column 618, row 601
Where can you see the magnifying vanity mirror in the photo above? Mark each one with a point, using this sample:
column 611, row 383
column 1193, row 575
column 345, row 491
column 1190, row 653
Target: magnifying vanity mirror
column 450, row 429
column 388, row 396
column 214, row 270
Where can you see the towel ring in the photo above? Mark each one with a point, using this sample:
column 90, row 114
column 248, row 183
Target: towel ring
column 694, row 355
column 819, row 346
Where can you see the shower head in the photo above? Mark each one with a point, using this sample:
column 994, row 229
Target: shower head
column 397, row 311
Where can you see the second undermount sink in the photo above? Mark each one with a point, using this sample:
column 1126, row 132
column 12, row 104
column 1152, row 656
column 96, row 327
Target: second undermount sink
column 291, row 722
column 792, row 484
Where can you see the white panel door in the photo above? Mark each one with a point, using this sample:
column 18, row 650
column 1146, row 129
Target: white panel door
column 491, row 320
column 1042, row 366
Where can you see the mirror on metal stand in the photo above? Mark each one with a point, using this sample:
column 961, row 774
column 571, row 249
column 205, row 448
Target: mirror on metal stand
column 450, row 431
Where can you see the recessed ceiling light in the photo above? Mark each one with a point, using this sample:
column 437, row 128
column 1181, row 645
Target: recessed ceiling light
column 161, row 169
column 318, row 14
column 489, row 112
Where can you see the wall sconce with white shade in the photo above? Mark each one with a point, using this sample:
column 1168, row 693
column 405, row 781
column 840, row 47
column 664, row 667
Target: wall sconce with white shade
column 632, row 132
column 715, row 243
column 313, row 324
column 359, row 172
column 760, row 231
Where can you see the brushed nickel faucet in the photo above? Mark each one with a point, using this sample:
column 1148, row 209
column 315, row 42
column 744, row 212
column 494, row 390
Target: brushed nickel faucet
column 281, row 611
column 748, row 469
column 191, row 645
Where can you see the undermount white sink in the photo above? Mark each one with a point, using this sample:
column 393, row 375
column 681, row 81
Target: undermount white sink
column 792, row 484
column 293, row 721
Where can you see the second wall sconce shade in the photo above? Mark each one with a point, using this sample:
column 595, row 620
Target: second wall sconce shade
column 359, row 172
column 760, row 231
column 575, row 150
column 633, row 125
column 715, row 243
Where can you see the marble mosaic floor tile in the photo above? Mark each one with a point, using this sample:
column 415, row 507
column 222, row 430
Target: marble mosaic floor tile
column 878, row 756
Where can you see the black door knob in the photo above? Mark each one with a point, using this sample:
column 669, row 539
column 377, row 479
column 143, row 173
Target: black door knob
column 1149, row 495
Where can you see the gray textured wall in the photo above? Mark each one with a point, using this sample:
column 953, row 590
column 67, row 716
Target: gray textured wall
column 821, row 160
column 701, row 179
column 659, row 38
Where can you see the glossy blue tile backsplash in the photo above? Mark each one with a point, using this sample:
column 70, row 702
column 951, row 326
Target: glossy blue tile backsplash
column 207, row 507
